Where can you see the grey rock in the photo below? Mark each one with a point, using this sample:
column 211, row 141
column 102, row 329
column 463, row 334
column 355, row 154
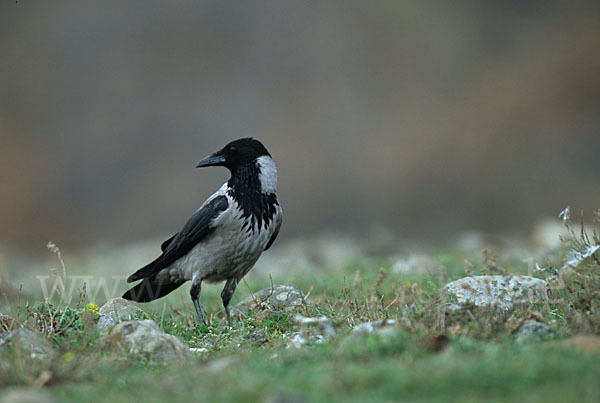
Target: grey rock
column 144, row 337
column 284, row 298
column 532, row 330
column 323, row 324
column 388, row 327
column 452, row 307
column 29, row 341
column 381, row 330
column 27, row 395
column 311, row 330
column 115, row 311
column 296, row 340
column 499, row 292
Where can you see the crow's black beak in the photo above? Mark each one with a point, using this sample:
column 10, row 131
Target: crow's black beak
column 211, row 161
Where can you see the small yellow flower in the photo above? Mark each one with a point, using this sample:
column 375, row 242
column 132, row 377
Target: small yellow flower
column 92, row 308
column 68, row 356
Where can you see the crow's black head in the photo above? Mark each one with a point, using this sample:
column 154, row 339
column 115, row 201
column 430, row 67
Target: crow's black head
column 236, row 154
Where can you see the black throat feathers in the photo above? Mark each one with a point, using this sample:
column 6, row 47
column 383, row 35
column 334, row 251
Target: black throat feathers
column 258, row 208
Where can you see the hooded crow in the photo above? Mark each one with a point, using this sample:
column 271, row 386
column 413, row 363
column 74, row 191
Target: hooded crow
column 225, row 237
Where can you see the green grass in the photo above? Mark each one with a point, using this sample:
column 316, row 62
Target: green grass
column 388, row 370
column 252, row 361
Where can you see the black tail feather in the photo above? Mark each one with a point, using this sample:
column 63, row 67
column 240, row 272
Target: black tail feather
column 146, row 271
column 150, row 289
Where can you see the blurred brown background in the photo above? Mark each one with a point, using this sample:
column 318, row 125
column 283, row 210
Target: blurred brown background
column 426, row 117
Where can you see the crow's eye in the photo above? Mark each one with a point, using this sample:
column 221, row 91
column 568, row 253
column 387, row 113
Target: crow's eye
column 232, row 148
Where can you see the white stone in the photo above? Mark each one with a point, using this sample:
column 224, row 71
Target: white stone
column 115, row 311
column 144, row 337
column 501, row 292
column 29, row 341
column 296, row 341
column 322, row 322
column 283, row 297
column 390, row 325
column 533, row 330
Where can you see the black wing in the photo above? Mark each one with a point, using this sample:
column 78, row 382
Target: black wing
column 195, row 230
column 150, row 289
column 166, row 243
column 273, row 236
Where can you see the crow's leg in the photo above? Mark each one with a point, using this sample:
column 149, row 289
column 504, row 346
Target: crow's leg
column 226, row 295
column 195, row 293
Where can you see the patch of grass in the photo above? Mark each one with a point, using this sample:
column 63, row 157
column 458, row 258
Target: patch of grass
column 252, row 361
column 401, row 370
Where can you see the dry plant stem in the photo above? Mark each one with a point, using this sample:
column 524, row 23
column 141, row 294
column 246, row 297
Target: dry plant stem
column 251, row 293
column 489, row 260
column 19, row 303
column 380, row 280
column 308, row 292
column 468, row 268
column 56, row 250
